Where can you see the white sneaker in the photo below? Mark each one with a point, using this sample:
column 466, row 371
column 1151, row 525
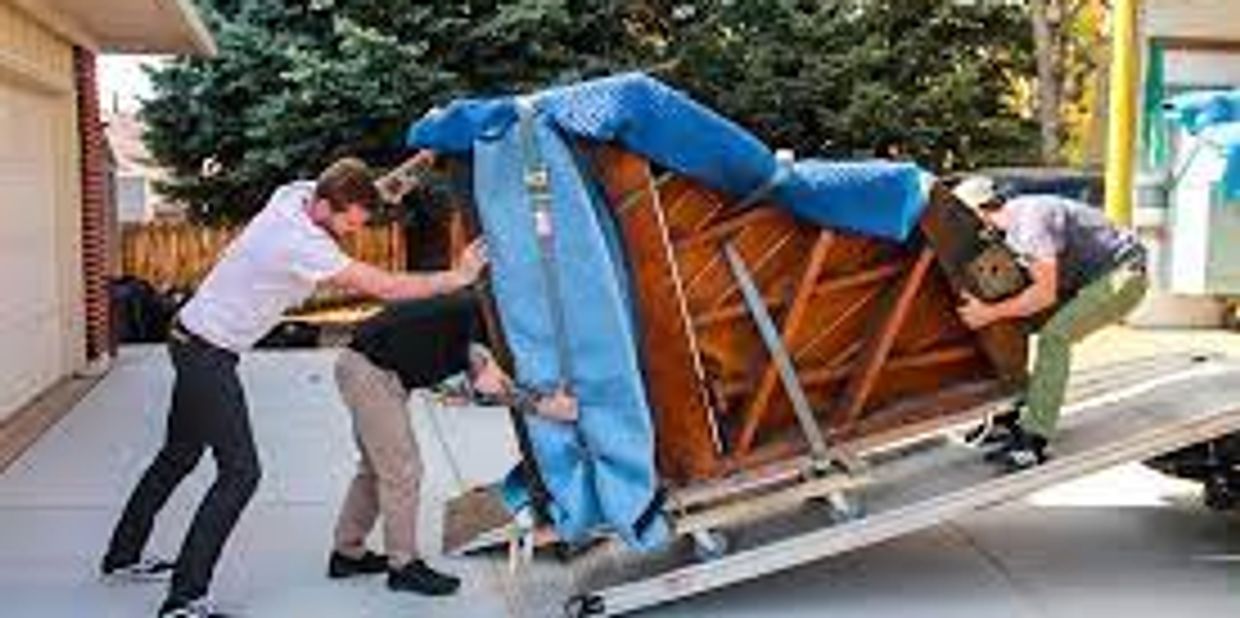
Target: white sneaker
column 146, row 570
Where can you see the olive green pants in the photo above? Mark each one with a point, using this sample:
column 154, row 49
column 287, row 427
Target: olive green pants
column 1105, row 301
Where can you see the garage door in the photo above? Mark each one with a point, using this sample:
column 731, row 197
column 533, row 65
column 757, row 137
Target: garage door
column 30, row 341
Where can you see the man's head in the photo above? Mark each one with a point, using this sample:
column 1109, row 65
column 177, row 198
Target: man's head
column 979, row 194
column 344, row 195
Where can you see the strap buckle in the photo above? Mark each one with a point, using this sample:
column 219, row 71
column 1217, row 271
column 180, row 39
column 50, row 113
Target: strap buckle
column 538, row 180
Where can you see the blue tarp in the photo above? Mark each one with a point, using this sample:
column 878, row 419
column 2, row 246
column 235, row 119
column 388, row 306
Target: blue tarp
column 601, row 471
column 1214, row 117
column 1198, row 110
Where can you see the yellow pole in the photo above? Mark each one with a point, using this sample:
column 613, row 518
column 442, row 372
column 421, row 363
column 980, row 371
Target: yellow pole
column 1121, row 124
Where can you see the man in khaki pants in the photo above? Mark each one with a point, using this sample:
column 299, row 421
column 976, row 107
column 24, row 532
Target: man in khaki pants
column 406, row 346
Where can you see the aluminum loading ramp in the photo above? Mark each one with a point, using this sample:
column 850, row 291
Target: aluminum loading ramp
column 1119, row 415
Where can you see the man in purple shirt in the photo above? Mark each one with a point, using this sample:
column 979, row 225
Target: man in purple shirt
column 1085, row 272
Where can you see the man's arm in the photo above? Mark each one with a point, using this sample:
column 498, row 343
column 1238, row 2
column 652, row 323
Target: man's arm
column 378, row 283
column 1041, row 294
column 395, row 184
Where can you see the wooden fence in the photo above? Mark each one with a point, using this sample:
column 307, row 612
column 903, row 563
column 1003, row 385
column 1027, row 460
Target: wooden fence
column 179, row 255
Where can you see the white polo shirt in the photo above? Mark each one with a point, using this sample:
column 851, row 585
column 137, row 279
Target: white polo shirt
column 274, row 264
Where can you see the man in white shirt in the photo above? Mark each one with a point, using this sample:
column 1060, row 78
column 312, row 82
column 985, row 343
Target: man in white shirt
column 283, row 254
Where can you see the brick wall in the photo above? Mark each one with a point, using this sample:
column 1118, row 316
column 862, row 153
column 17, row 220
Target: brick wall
column 95, row 196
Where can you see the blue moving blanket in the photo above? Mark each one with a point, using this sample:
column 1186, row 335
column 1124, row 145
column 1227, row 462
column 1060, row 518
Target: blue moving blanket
column 601, row 472
column 876, row 198
column 1214, row 117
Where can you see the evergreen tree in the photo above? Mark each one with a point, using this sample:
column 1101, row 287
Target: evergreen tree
column 299, row 82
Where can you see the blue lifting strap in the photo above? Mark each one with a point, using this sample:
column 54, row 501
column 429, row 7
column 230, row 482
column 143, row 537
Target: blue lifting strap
column 538, row 186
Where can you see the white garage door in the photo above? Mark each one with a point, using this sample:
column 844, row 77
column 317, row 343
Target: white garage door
column 30, row 337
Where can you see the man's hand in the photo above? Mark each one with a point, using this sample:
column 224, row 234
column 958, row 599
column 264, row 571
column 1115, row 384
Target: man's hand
column 488, row 378
column 490, row 381
column 975, row 313
column 1039, row 296
column 558, row 406
column 422, row 158
column 471, row 262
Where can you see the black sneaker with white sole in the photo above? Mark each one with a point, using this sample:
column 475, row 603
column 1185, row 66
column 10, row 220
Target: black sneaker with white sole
column 146, row 570
column 1022, row 450
column 997, row 429
column 197, row 608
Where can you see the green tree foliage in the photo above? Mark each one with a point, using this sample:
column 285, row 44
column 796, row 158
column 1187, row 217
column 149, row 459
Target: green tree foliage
column 1068, row 42
column 840, row 78
column 298, row 82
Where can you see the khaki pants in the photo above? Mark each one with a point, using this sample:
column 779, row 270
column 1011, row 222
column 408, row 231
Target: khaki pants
column 389, row 471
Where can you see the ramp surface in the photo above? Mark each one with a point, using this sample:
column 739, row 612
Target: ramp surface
column 928, row 483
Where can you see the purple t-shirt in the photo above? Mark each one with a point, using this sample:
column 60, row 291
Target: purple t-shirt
column 1078, row 235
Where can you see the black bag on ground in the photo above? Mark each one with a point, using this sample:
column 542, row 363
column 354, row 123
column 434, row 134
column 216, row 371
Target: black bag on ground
column 140, row 313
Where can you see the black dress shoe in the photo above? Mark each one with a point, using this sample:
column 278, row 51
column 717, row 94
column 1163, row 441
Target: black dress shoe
column 369, row 563
column 422, row 579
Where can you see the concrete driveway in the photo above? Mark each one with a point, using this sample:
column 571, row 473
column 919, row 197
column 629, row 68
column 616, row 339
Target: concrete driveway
column 1127, row 542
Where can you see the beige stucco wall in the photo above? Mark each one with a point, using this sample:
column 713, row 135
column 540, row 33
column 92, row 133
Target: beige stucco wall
column 1208, row 19
column 42, row 321
column 1213, row 26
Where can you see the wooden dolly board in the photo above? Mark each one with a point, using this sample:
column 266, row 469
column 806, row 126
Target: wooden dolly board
column 1144, row 410
column 477, row 521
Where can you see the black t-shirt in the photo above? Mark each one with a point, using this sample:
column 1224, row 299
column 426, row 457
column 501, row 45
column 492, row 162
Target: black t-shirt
column 423, row 341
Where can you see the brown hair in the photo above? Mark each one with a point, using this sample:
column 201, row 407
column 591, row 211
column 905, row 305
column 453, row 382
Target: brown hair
column 347, row 181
